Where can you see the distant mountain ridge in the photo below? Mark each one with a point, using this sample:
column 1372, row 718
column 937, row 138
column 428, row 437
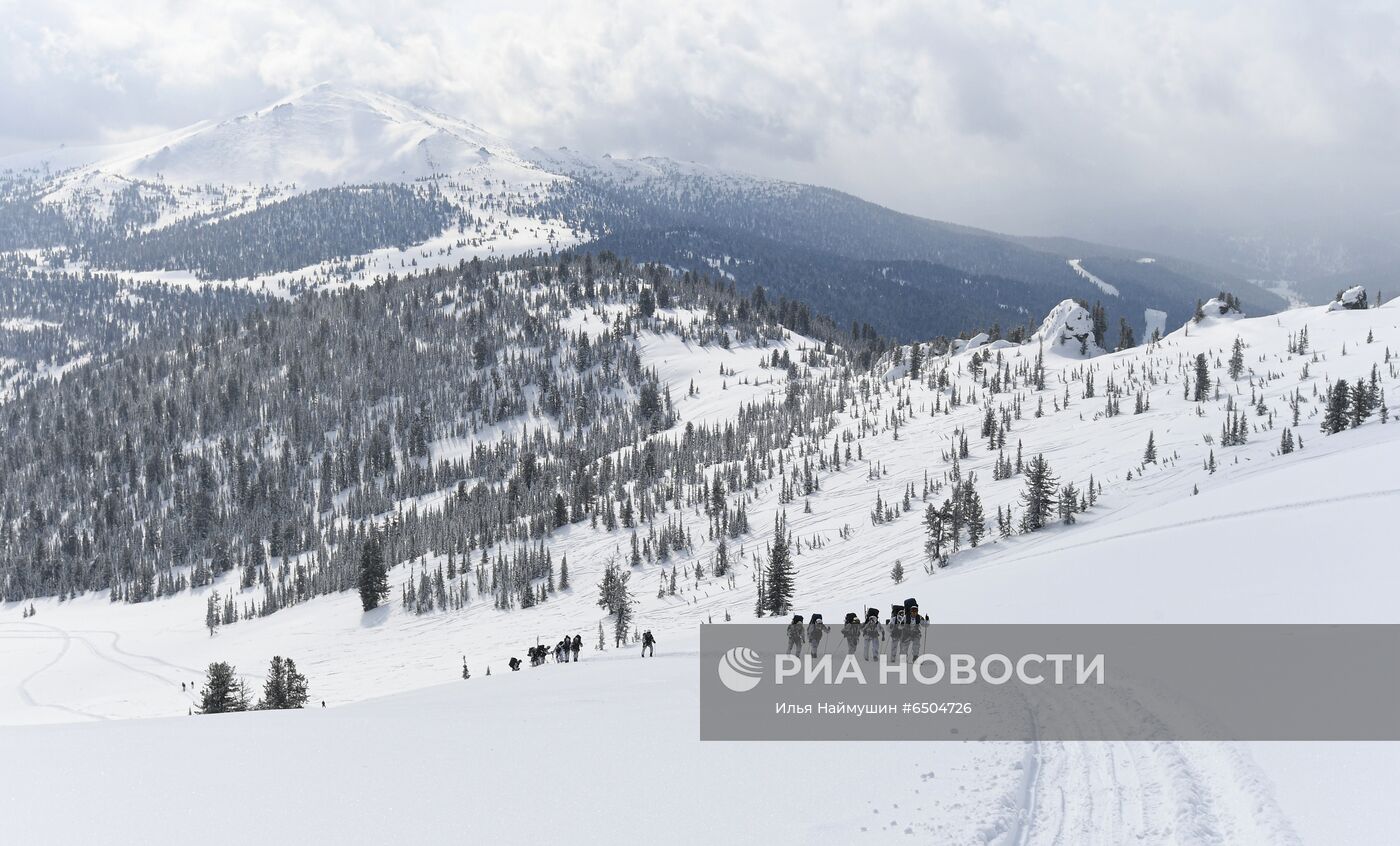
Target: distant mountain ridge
column 819, row 245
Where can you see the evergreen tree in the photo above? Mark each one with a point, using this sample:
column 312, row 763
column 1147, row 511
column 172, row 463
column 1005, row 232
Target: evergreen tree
column 1149, row 456
column 779, row 574
column 898, row 572
column 1338, row 414
column 1039, row 496
column 211, row 612
column 1125, row 335
column 646, row 302
column 1202, row 378
column 973, row 515
column 373, row 578
column 623, row 620
column 936, row 531
column 1237, row 359
column 223, row 691
column 1361, row 404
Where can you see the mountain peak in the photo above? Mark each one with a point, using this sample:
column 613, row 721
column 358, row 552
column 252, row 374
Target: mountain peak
column 327, row 134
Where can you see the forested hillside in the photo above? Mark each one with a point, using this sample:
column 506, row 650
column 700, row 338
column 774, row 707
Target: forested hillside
column 513, row 391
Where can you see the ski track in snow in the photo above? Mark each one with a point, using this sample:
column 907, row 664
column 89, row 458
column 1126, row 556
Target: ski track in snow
column 22, row 688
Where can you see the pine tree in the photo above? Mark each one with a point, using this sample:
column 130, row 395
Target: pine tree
column 1360, row 403
column 1039, row 496
column 898, row 572
column 623, row 620
column 1149, row 456
column 973, row 515
column 1338, row 414
column 1125, row 335
column 1237, row 359
column 211, row 612
column 936, row 533
column 373, row 578
column 1202, row 378
column 223, row 691
column 779, row 575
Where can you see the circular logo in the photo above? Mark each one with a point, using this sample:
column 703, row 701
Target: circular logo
column 740, row 669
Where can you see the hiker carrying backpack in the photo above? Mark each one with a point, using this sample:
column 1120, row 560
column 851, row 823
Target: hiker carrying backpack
column 873, row 633
column 815, row 630
column 794, row 633
column 851, row 632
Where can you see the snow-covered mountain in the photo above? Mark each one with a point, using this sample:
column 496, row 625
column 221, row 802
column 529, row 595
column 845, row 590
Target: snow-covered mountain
column 324, row 136
column 164, row 209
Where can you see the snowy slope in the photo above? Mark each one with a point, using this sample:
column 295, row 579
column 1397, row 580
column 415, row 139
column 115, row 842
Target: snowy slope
column 620, row 732
column 1078, row 442
column 323, row 136
column 1259, row 543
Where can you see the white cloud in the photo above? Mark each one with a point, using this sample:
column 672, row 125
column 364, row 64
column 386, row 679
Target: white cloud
column 1051, row 118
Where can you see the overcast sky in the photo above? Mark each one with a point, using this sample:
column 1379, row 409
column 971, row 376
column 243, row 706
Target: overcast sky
column 1062, row 117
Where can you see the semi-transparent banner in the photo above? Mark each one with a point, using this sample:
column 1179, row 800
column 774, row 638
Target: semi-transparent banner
column 1050, row 682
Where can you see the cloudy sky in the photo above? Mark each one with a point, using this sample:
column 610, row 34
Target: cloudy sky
column 1065, row 117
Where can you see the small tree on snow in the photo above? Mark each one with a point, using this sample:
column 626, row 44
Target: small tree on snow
column 1039, row 496
column 223, row 691
column 211, row 612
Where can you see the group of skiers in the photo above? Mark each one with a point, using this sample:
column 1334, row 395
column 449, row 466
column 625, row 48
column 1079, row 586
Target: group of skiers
column 564, row 651
column 903, row 630
column 568, row 650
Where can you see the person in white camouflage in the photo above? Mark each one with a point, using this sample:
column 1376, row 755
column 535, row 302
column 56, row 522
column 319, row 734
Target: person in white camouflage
column 895, row 629
column 851, row 632
column 815, row 631
column 794, row 634
column 873, row 633
column 914, row 634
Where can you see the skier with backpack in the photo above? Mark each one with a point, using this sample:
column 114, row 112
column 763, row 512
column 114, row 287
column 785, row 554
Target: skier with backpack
column 914, row 627
column 895, row 627
column 794, row 633
column 873, row 634
column 850, row 630
column 577, row 646
column 648, row 644
column 815, row 630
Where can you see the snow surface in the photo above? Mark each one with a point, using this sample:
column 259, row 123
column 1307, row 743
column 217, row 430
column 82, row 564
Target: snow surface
column 607, row 749
column 1153, row 319
column 1079, row 268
